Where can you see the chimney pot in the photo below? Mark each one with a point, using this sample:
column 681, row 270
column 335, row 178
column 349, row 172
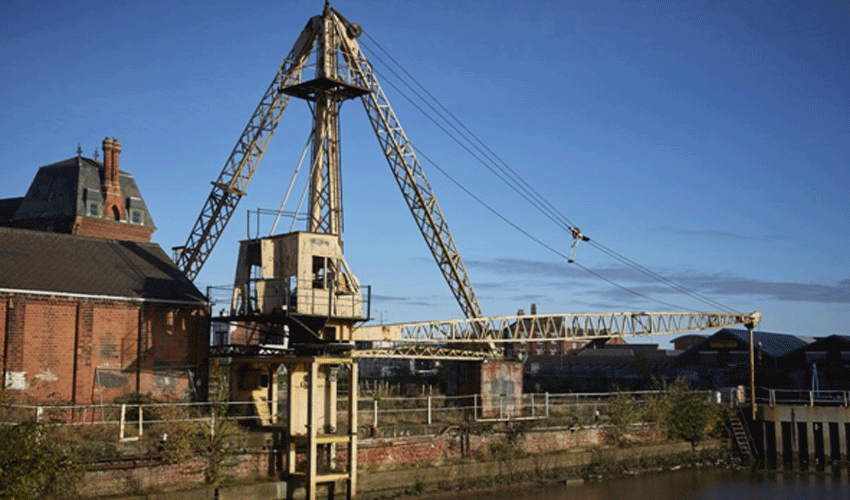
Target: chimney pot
column 116, row 151
column 107, row 153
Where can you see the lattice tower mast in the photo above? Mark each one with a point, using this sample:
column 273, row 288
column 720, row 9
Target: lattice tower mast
column 342, row 73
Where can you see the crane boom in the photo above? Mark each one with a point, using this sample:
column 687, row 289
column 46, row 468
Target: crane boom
column 437, row 338
column 233, row 180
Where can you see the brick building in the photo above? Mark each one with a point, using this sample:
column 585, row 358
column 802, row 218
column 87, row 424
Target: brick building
column 526, row 349
column 90, row 309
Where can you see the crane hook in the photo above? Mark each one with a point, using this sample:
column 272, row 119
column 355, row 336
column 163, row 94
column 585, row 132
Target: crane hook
column 577, row 237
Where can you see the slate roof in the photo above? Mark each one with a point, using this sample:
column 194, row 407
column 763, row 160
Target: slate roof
column 52, row 262
column 61, row 190
column 774, row 345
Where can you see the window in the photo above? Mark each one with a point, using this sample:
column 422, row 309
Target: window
column 814, row 356
column 319, row 267
column 136, row 216
column 94, row 209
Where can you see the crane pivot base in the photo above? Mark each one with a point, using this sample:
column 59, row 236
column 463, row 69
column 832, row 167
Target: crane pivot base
column 310, row 89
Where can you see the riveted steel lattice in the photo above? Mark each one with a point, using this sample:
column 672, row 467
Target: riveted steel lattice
column 442, row 338
column 234, row 178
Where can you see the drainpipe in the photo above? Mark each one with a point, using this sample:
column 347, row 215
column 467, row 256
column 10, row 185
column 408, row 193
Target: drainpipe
column 139, row 349
column 7, row 329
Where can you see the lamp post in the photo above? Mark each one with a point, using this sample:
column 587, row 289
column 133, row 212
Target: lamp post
column 752, row 370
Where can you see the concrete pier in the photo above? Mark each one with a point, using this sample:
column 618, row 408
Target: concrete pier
column 802, row 434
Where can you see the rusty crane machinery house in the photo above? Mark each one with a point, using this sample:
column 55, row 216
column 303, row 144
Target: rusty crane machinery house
column 297, row 294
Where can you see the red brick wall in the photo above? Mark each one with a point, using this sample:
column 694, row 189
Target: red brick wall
column 376, row 453
column 176, row 336
column 114, row 349
column 166, row 476
column 61, row 349
column 104, row 228
column 48, row 354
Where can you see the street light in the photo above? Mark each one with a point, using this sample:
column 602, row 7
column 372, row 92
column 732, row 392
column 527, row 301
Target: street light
column 754, row 319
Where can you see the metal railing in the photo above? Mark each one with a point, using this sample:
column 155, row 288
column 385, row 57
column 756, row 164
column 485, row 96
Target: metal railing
column 127, row 421
column 131, row 421
column 796, row 397
column 318, row 296
column 570, row 409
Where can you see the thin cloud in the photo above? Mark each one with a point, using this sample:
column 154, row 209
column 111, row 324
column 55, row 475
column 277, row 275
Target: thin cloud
column 838, row 293
column 407, row 301
column 711, row 285
column 723, row 235
column 515, row 267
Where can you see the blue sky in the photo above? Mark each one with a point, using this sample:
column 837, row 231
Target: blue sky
column 707, row 141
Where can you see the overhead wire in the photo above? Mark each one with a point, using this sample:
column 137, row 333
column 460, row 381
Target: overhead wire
column 292, row 183
column 507, row 220
column 510, row 177
column 504, row 170
column 539, row 241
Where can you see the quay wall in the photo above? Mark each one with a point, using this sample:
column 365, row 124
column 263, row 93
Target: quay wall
column 386, row 465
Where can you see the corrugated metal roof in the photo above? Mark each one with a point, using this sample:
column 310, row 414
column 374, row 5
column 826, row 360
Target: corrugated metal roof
column 52, row 262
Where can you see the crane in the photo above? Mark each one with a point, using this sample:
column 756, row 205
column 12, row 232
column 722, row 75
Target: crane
column 342, row 72
column 298, row 291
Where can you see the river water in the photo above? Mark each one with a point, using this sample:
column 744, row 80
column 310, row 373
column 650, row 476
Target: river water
column 690, row 484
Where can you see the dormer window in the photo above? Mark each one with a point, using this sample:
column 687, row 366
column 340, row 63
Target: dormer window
column 136, row 217
column 94, row 209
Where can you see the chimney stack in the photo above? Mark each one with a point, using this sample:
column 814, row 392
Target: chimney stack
column 533, row 309
column 113, row 199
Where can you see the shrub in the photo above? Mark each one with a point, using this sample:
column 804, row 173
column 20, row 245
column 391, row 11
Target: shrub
column 690, row 416
column 623, row 412
column 35, row 461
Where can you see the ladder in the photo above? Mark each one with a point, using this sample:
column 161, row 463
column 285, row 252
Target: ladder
column 743, row 440
column 261, row 405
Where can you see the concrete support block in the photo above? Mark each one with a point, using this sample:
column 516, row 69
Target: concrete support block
column 810, row 440
column 795, row 442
